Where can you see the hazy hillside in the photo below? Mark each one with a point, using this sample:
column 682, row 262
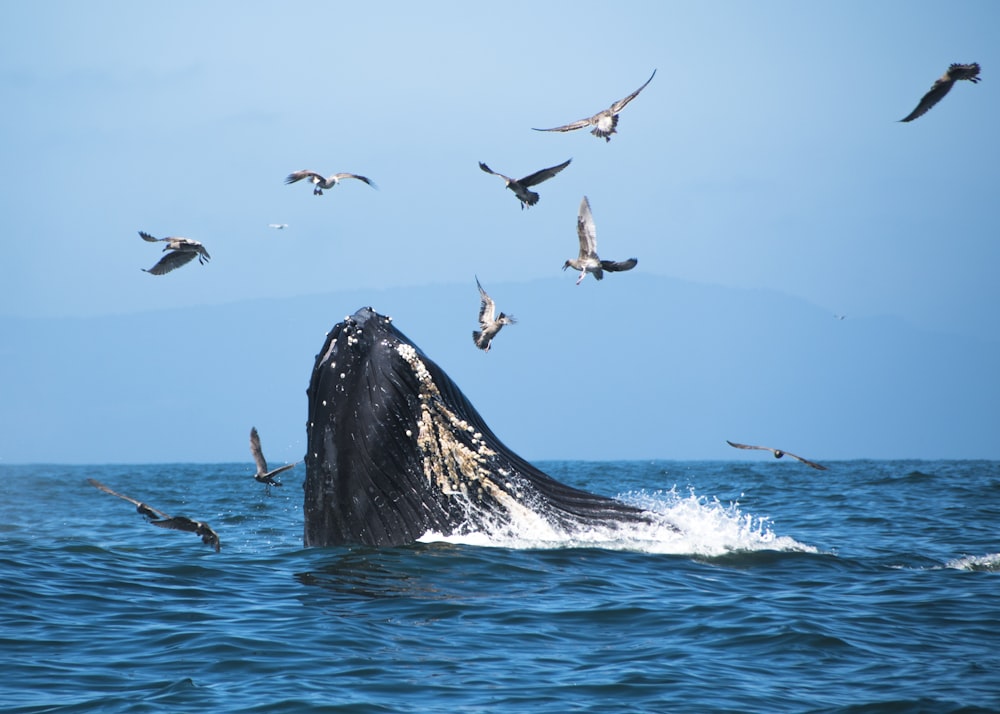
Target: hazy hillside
column 635, row 367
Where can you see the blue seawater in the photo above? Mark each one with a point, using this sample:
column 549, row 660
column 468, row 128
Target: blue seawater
column 871, row 587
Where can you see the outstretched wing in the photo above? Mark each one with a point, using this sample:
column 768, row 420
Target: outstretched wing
column 936, row 94
column 148, row 238
column 488, row 170
column 618, row 266
column 586, row 231
column 299, row 175
column 543, row 175
column 141, row 507
column 487, row 307
column 255, row 450
column 172, row 261
column 571, row 127
column 188, row 525
column 355, row 176
column 620, row 104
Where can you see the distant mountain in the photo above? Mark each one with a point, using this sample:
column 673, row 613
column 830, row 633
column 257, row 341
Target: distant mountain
column 634, row 367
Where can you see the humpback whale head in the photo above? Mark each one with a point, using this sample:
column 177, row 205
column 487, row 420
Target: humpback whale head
column 396, row 451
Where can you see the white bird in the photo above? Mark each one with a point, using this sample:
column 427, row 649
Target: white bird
column 319, row 182
column 488, row 326
column 278, row 226
column 605, row 122
column 589, row 262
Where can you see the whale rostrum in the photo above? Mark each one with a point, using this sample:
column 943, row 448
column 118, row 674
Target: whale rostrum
column 396, row 451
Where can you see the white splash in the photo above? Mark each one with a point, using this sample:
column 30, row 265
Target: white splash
column 691, row 525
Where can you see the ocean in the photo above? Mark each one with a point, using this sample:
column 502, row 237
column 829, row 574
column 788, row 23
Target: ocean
column 871, row 587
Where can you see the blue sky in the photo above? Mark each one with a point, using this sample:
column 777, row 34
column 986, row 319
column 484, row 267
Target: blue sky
column 765, row 154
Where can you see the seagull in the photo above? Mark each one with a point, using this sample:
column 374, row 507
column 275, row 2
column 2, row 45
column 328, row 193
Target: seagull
column 520, row 186
column 263, row 475
column 489, row 327
column 604, row 122
column 778, row 453
column 319, row 183
column 184, row 251
column 278, row 226
column 942, row 86
column 161, row 519
column 588, row 262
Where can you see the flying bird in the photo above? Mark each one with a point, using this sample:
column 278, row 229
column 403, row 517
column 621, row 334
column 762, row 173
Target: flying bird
column 263, row 475
column 520, row 186
column 778, row 453
column 278, row 226
column 942, row 86
column 161, row 519
column 589, row 262
column 183, row 251
column 319, row 182
column 488, row 326
column 605, row 122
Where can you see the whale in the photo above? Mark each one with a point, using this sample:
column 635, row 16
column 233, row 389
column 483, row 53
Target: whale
column 396, row 452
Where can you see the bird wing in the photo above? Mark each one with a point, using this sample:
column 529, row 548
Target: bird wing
column 936, row 94
column 299, row 175
column 487, row 307
column 143, row 508
column 807, row 462
column 355, row 176
column 586, row 231
column 488, row 170
column 255, row 450
column 572, row 126
column 620, row 104
column 544, row 174
column 189, row 525
column 280, row 469
column 750, row 446
column 618, row 266
column 148, row 238
column 171, row 261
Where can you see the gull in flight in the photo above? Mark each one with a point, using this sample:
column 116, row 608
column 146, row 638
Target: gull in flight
column 278, row 226
column 183, row 251
column 942, row 86
column 319, row 182
column 778, row 453
column 161, row 519
column 605, row 122
column 263, row 475
column 589, row 262
column 520, row 186
column 488, row 326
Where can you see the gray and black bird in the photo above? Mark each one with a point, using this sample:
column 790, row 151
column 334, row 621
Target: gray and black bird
column 161, row 519
column 263, row 475
column 588, row 260
column 778, row 453
column 605, row 122
column 183, row 251
column 489, row 325
column 321, row 182
column 520, row 186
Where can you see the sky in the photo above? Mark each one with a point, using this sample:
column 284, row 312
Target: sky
column 766, row 154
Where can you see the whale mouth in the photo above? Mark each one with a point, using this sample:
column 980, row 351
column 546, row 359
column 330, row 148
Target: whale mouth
column 396, row 451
